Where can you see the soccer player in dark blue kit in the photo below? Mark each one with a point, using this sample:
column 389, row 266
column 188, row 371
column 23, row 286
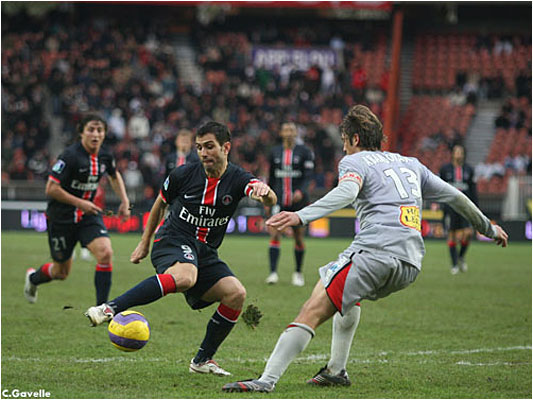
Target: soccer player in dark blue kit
column 291, row 169
column 201, row 198
column 72, row 215
column 461, row 176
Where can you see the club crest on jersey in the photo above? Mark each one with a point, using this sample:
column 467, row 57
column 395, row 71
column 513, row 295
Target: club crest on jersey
column 59, row 166
column 227, row 199
column 410, row 217
column 167, row 181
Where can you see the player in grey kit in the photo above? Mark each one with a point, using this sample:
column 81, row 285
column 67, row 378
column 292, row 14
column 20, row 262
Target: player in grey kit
column 386, row 190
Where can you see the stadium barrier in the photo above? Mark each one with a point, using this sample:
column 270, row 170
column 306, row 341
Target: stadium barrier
column 30, row 216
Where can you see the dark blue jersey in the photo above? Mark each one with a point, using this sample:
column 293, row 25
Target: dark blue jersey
column 201, row 207
column 174, row 160
column 290, row 170
column 78, row 172
column 461, row 178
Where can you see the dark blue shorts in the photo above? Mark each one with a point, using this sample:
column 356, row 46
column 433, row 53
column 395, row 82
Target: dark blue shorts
column 62, row 238
column 168, row 250
column 454, row 221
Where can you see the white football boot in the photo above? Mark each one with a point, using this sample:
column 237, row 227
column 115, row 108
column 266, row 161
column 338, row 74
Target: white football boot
column 298, row 279
column 208, row 367
column 272, row 279
column 85, row 254
column 100, row 314
column 454, row 270
column 30, row 290
column 462, row 265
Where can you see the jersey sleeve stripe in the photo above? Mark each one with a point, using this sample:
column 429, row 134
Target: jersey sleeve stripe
column 247, row 189
column 53, row 178
column 163, row 196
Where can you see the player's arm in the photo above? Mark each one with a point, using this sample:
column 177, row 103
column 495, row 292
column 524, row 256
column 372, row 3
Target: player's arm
column 55, row 191
column 434, row 188
column 156, row 215
column 117, row 184
column 339, row 197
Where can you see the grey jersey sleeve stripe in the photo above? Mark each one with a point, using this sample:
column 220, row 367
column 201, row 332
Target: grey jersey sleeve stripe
column 339, row 197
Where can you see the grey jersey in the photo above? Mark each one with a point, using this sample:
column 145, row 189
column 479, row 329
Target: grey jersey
column 387, row 190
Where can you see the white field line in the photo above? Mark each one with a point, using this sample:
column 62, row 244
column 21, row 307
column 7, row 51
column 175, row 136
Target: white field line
column 376, row 359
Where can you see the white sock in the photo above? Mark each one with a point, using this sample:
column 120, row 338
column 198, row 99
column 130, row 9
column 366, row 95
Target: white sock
column 341, row 341
column 291, row 342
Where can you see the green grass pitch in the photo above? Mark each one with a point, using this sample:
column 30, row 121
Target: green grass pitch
column 464, row 336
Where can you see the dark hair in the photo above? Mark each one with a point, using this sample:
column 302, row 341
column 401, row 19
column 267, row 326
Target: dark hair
column 221, row 131
column 363, row 122
column 88, row 118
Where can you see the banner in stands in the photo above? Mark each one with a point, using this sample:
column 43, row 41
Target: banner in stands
column 297, row 58
column 358, row 5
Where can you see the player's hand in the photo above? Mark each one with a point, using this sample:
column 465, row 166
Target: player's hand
column 297, row 196
column 124, row 211
column 89, row 208
column 283, row 220
column 501, row 236
column 259, row 190
column 140, row 252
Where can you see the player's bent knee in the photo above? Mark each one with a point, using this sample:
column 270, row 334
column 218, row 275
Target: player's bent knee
column 238, row 297
column 105, row 256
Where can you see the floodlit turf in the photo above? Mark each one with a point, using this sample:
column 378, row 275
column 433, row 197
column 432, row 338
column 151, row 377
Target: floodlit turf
column 464, row 336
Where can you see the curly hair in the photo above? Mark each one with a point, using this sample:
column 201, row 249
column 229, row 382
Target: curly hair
column 362, row 121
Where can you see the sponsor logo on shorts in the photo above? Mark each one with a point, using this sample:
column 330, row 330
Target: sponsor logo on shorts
column 187, row 252
column 410, row 217
column 333, row 267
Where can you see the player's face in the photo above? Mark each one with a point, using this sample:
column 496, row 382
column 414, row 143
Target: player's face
column 288, row 132
column 349, row 148
column 93, row 136
column 183, row 143
column 458, row 154
column 212, row 154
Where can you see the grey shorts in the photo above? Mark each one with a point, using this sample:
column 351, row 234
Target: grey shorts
column 366, row 275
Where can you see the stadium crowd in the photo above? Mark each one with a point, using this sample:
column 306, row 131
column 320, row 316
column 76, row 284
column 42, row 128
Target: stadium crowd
column 129, row 74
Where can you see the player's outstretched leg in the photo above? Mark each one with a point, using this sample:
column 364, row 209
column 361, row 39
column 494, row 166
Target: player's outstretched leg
column 343, row 331
column 149, row 290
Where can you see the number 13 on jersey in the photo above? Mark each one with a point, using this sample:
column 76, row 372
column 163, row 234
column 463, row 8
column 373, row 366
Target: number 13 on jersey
column 409, row 215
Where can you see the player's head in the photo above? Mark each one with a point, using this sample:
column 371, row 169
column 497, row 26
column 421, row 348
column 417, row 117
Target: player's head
column 213, row 145
column 92, row 129
column 361, row 127
column 184, row 140
column 458, row 154
column 288, row 132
